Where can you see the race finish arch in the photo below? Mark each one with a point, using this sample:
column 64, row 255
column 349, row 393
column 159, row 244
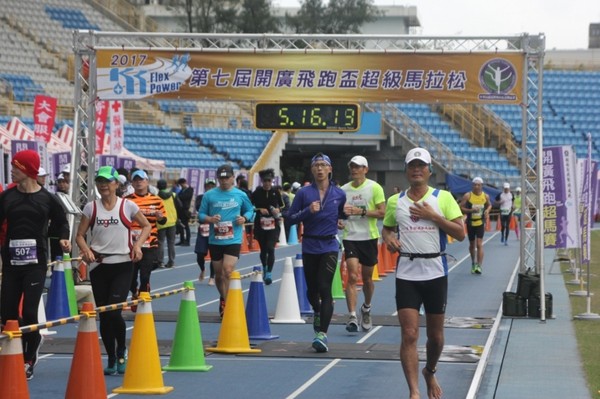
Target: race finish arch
column 317, row 82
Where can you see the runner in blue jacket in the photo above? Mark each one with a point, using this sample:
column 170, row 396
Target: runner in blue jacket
column 319, row 207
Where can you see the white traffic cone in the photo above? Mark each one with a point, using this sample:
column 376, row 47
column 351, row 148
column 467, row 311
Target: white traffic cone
column 288, row 309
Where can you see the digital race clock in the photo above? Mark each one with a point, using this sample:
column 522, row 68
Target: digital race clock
column 337, row 117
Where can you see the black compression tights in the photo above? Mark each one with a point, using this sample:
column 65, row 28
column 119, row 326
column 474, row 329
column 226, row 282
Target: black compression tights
column 319, row 270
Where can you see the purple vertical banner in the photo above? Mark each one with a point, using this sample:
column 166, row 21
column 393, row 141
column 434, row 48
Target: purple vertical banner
column 60, row 160
column 586, row 208
column 20, row 145
column 124, row 162
column 107, row 160
column 596, row 191
column 193, row 179
column 560, row 205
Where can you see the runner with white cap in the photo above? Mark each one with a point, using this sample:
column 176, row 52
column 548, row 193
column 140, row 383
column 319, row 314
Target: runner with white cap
column 365, row 203
column 505, row 202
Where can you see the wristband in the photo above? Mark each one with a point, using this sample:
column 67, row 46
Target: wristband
column 364, row 213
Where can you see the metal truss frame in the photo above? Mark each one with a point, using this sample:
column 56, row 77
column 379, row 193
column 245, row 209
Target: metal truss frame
column 86, row 43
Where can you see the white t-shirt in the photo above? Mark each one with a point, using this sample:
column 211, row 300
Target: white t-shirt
column 111, row 230
column 506, row 202
column 366, row 196
column 421, row 236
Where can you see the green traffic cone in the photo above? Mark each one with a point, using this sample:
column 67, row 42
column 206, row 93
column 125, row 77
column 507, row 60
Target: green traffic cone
column 187, row 353
column 337, row 288
column 70, row 284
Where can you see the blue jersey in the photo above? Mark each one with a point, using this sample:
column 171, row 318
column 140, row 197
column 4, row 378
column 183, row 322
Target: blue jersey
column 229, row 204
column 320, row 228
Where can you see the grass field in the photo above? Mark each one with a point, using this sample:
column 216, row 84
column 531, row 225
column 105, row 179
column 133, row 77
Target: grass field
column 588, row 331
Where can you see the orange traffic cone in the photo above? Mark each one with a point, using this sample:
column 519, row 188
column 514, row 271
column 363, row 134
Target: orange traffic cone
column 244, row 249
column 86, row 379
column 380, row 265
column 488, row 223
column 12, row 377
column 498, row 224
column 513, row 223
column 143, row 374
column 233, row 336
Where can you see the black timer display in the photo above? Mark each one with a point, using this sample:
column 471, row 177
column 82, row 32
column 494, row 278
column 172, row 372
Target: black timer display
column 308, row 116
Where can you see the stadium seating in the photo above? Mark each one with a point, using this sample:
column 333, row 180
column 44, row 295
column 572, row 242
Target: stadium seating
column 37, row 36
column 571, row 109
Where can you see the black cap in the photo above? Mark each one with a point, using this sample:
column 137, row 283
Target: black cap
column 161, row 184
column 225, row 170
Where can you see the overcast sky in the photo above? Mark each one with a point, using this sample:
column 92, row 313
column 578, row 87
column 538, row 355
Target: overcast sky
column 565, row 23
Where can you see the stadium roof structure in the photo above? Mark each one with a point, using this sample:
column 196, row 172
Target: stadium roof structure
column 88, row 44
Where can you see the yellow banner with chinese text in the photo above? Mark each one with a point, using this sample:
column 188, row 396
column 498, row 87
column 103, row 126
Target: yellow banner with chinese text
column 492, row 77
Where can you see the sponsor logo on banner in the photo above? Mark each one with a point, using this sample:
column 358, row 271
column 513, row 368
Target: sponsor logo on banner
column 44, row 115
column 498, row 77
column 162, row 76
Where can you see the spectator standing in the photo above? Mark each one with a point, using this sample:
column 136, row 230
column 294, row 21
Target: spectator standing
column 42, row 175
column 62, row 186
column 110, row 253
column 226, row 209
column 476, row 205
column 319, row 206
column 365, row 203
column 185, row 196
column 167, row 231
column 28, row 210
column 201, row 247
column 416, row 225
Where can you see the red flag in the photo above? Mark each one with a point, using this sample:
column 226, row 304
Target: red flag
column 101, row 115
column 44, row 114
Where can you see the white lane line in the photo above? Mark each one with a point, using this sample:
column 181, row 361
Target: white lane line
column 313, row 379
column 487, row 349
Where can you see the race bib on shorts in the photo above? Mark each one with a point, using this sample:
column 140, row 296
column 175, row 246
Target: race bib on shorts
column 23, row 252
column 267, row 223
column 504, row 211
column 223, row 230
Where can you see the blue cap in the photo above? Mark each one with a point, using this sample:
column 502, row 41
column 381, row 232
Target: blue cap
column 139, row 173
column 320, row 157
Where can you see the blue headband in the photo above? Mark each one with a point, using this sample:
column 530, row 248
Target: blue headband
column 320, row 157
